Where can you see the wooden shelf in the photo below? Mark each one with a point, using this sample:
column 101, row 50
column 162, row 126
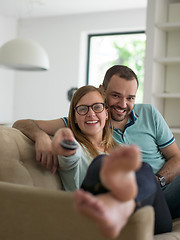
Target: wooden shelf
column 163, row 60
column 167, row 95
column 175, row 130
column 169, row 26
column 168, row 60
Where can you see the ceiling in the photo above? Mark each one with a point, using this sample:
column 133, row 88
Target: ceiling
column 44, row 8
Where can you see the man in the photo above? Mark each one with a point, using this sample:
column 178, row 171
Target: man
column 143, row 125
column 139, row 124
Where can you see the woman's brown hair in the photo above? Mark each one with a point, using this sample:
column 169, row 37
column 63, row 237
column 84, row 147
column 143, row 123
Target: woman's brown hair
column 107, row 140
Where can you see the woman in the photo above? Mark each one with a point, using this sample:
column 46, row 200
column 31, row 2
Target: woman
column 121, row 182
column 90, row 127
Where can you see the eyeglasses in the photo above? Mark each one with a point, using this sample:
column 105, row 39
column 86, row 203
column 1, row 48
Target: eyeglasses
column 84, row 109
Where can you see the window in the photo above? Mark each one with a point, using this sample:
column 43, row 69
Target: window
column 105, row 50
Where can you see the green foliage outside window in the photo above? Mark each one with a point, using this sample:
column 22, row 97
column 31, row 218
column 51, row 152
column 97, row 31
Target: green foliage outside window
column 124, row 49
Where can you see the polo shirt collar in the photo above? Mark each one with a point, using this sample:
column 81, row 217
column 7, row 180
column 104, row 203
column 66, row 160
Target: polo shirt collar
column 132, row 118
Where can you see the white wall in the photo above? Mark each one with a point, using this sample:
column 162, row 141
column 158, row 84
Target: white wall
column 43, row 95
column 7, row 32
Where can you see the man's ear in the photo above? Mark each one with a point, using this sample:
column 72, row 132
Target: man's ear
column 101, row 87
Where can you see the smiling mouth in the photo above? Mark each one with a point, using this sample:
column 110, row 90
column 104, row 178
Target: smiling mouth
column 92, row 122
column 119, row 110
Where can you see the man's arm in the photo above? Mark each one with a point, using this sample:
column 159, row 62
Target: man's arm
column 40, row 131
column 33, row 128
column 172, row 166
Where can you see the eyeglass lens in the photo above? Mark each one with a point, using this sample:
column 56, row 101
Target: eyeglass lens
column 83, row 109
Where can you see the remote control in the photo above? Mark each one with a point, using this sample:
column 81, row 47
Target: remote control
column 70, row 145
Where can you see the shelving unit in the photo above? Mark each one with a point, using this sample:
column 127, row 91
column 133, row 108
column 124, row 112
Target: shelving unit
column 162, row 66
column 169, row 26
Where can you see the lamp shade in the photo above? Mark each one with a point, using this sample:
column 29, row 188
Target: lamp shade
column 23, row 54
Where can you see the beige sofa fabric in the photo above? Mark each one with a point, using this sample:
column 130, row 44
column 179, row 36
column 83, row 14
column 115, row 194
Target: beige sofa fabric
column 174, row 235
column 30, row 213
column 33, row 206
column 17, row 161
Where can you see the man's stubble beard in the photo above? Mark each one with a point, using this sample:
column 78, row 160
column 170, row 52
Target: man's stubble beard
column 119, row 119
column 116, row 119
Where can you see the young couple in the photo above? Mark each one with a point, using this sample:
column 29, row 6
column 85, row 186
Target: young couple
column 113, row 180
column 132, row 124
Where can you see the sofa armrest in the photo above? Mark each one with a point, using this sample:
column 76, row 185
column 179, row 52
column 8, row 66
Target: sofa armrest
column 37, row 213
column 18, row 161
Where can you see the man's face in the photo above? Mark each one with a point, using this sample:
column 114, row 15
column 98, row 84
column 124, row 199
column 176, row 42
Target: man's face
column 121, row 95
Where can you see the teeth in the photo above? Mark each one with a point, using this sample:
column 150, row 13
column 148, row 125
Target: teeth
column 92, row 122
column 119, row 110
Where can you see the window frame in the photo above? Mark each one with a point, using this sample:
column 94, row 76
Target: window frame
column 103, row 34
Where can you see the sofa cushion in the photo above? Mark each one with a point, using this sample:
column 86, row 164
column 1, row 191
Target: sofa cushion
column 18, row 164
column 30, row 213
column 174, row 235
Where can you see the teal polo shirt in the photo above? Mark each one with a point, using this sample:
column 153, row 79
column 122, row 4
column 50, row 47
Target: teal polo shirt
column 146, row 128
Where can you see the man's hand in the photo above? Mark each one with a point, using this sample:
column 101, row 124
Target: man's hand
column 39, row 131
column 44, row 153
column 171, row 168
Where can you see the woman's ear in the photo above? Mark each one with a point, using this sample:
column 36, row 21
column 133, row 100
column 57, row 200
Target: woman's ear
column 107, row 114
column 75, row 119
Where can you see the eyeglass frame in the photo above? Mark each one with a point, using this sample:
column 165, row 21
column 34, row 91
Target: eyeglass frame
column 89, row 106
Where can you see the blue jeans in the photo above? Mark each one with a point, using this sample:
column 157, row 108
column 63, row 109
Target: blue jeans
column 172, row 196
column 149, row 192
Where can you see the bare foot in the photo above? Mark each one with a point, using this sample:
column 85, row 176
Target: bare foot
column 109, row 213
column 118, row 171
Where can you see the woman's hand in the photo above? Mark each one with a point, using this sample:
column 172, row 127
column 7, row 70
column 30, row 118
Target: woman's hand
column 61, row 135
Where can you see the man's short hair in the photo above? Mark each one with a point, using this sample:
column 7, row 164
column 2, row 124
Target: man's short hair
column 121, row 71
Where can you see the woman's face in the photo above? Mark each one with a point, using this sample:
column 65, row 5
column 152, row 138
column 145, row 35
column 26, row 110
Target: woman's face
column 91, row 123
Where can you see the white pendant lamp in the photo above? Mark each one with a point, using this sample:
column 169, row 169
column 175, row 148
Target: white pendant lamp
column 23, row 54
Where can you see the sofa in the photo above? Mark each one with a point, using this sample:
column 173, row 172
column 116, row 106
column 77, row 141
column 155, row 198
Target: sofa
column 34, row 206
